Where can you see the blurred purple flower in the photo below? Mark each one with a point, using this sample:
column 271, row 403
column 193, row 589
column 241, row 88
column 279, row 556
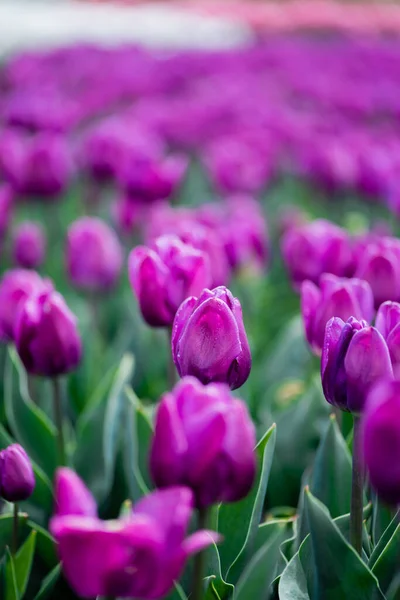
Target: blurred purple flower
column 378, row 262
column 29, row 245
column 17, row 480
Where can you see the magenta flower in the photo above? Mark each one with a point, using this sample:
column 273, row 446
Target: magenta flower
column 388, row 324
column 152, row 178
column 94, row 255
column 209, row 340
column 336, row 297
column 315, row 248
column 164, row 274
column 16, row 287
column 139, row 556
column 204, row 438
column 380, row 438
column 379, row 263
column 46, row 335
column 354, row 357
column 17, row 480
column 29, row 245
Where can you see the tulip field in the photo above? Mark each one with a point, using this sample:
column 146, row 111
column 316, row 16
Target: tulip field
column 200, row 322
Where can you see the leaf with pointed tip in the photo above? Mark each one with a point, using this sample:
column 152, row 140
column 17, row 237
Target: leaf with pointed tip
column 6, row 529
column 238, row 522
column 386, row 565
column 19, row 568
column 48, row 584
column 12, row 592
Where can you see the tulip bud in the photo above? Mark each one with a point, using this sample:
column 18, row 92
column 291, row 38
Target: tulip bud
column 29, row 245
column 94, row 255
column 152, row 178
column 335, row 297
column 164, row 274
column 315, row 248
column 46, row 335
column 140, row 556
column 388, row 324
column 379, row 264
column 15, row 287
column 17, row 480
column 204, row 438
column 354, row 357
column 209, row 339
column 380, row 439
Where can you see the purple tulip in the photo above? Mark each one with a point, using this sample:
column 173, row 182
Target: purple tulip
column 15, row 288
column 29, row 245
column 94, row 255
column 127, row 214
column 46, row 335
column 380, row 438
column 138, row 556
column 388, row 324
column 379, row 264
column 17, row 480
column 354, row 357
column 336, row 297
column 315, row 248
column 6, row 206
column 204, row 438
column 209, row 339
column 164, row 274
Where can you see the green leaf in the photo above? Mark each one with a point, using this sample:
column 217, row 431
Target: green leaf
column 217, row 584
column 12, row 592
column 329, row 565
column 138, row 436
column 331, row 475
column 238, row 522
column 258, row 575
column 177, row 593
column 42, row 496
column 381, row 518
column 48, row 584
column 29, row 424
column 98, row 434
column 386, row 566
column 45, row 545
column 384, row 539
column 19, row 568
column 6, row 529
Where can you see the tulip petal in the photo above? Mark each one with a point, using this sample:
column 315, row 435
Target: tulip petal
column 387, row 317
column 310, row 298
column 72, row 496
column 200, row 540
column 180, row 321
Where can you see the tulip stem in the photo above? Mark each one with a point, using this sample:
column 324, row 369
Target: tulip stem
column 199, row 560
column 172, row 374
column 356, row 511
column 15, row 530
column 58, row 417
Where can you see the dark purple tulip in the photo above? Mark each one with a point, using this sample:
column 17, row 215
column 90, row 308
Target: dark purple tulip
column 209, row 340
column 93, row 255
column 315, row 248
column 41, row 166
column 379, row 264
column 335, row 297
column 15, row 287
column 380, row 436
column 29, row 245
column 164, row 274
column 139, row 556
column 204, row 438
column 152, row 178
column 17, row 480
column 46, row 335
column 354, row 357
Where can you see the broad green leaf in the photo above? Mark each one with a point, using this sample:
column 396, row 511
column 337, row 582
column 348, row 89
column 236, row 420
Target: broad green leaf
column 42, row 496
column 331, row 475
column 98, row 434
column 343, row 524
column 138, row 435
column 259, row 573
column 45, row 545
column 216, row 582
column 212, row 592
column 11, row 589
column 381, row 518
column 19, row 568
column 238, row 522
column 293, row 582
column 29, row 424
column 177, row 593
column 384, row 539
column 48, row 583
column 386, row 566
column 6, row 530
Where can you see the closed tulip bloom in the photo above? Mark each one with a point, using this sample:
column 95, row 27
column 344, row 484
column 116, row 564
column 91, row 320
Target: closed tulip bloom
column 379, row 264
column 17, row 480
column 46, row 335
column 29, row 245
column 15, row 287
column 354, row 357
column 204, row 438
column 209, row 340
column 152, row 178
column 164, row 274
column 335, row 297
column 94, row 255
column 315, row 248
column 138, row 556
column 388, row 324
column 380, row 438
